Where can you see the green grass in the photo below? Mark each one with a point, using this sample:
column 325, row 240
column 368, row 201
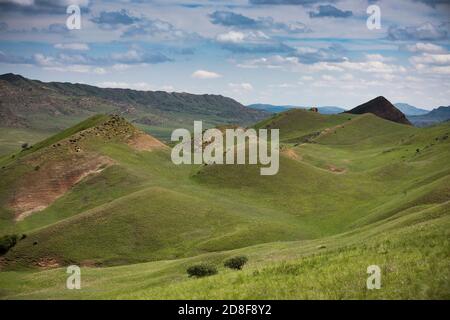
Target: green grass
column 412, row 251
column 11, row 139
column 144, row 220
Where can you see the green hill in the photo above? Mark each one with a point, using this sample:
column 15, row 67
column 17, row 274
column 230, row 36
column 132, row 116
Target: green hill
column 352, row 190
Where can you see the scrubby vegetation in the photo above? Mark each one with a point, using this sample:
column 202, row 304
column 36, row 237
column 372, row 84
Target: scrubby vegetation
column 7, row 242
column 201, row 270
column 236, row 262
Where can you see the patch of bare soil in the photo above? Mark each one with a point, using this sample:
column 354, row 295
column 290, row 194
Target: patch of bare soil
column 38, row 189
column 334, row 169
column 47, row 263
column 143, row 142
column 290, row 153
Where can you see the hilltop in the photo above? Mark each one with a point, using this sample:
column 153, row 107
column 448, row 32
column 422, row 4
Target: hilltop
column 382, row 108
column 44, row 172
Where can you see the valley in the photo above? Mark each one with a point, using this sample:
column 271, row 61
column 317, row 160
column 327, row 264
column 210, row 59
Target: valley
column 352, row 190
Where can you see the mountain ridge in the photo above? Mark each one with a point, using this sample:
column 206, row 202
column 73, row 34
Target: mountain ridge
column 57, row 105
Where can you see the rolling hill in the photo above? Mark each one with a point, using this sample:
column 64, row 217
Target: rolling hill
column 50, row 107
column 352, row 190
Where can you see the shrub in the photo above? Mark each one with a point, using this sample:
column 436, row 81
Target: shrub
column 201, row 270
column 7, row 242
column 24, row 145
column 236, row 262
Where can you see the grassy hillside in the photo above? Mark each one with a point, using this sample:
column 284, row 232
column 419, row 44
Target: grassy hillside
column 352, row 190
column 299, row 125
column 412, row 250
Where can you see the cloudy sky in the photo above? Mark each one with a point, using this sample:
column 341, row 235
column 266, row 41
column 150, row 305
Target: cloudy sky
column 299, row 52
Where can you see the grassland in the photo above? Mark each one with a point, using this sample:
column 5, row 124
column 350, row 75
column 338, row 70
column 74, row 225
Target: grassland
column 351, row 191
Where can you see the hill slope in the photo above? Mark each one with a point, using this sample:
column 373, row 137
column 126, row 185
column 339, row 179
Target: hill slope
column 382, row 108
column 358, row 190
column 56, row 105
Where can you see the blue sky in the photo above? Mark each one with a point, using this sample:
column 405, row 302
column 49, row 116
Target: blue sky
column 298, row 52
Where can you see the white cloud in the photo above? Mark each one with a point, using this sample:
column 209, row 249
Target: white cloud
column 240, row 37
column 232, row 36
column 72, row 46
column 433, row 59
column 99, row 70
column 425, row 48
column 129, row 56
column 203, row 74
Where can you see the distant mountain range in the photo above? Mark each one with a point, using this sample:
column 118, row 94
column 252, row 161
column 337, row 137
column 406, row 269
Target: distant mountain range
column 410, row 110
column 280, row 108
column 416, row 116
column 57, row 105
column 435, row 116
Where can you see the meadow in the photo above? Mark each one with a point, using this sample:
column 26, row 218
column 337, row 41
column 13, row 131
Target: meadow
column 352, row 191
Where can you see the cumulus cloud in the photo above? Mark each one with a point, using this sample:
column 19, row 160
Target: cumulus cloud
column 333, row 53
column 204, row 74
column 250, row 42
column 432, row 59
column 236, row 20
column 426, row 31
column 157, row 29
column 134, row 56
column 141, row 86
column 432, row 63
column 287, row 2
column 231, row 19
column 72, row 46
column 422, row 47
column 330, row 11
column 293, row 63
column 41, row 6
column 112, row 19
column 63, row 63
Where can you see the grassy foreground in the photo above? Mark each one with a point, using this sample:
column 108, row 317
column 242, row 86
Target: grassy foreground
column 352, row 191
column 412, row 250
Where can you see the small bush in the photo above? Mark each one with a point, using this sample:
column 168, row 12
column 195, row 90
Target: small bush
column 7, row 242
column 236, row 262
column 201, row 270
column 24, row 146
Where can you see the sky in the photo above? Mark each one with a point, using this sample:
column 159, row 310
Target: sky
column 283, row 52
